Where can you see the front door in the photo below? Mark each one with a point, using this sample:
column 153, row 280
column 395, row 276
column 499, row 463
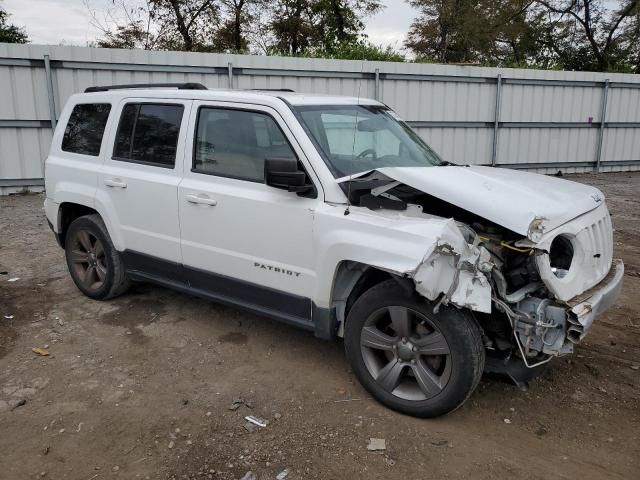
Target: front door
column 242, row 240
column 139, row 182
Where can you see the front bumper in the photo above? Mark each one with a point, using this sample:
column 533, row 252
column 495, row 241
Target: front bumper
column 552, row 328
column 589, row 305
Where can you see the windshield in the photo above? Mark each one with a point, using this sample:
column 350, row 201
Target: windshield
column 356, row 138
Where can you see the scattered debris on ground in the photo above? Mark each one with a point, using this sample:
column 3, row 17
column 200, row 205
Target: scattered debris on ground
column 376, row 444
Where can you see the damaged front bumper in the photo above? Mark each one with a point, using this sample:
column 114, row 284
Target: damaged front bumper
column 551, row 328
column 593, row 302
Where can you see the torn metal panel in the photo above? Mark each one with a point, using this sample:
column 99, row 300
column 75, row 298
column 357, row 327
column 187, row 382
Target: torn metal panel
column 456, row 269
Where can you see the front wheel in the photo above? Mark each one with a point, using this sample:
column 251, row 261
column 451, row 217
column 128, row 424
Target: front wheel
column 410, row 359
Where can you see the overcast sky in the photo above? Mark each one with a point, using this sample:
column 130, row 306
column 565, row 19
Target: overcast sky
column 69, row 21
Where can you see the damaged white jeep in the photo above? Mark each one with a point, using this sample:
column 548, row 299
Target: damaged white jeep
column 331, row 214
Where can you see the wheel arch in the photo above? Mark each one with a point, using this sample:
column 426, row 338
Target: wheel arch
column 67, row 213
column 351, row 280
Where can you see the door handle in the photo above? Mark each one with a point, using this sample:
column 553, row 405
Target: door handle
column 201, row 200
column 115, row 183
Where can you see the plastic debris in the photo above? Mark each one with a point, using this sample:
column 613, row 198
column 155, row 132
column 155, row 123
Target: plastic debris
column 40, row 351
column 14, row 279
column 283, row 474
column 249, row 476
column 507, row 420
column 261, row 422
column 377, row 444
column 8, row 317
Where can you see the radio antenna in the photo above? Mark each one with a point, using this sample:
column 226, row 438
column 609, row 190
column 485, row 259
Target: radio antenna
column 353, row 145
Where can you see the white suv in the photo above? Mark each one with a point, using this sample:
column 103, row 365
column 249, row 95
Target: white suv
column 331, row 214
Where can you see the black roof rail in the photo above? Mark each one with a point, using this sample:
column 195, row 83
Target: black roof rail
column 271, row 90
column 179, row 86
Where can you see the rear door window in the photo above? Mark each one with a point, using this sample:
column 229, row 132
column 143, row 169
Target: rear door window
column 85, row 128
column 148, row 133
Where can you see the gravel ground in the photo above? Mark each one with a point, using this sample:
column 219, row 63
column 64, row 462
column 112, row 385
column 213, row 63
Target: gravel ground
column 142, row 386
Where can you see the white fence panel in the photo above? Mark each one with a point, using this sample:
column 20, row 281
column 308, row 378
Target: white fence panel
column 546, row 120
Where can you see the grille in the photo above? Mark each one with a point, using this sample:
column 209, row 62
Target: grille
column 601, row 237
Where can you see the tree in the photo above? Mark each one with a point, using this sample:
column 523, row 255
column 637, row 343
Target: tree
column 131, row 35
column 302, row 25
column 126, row 26
column 467, row 31
column 10, row 33
column 595, row 34
column 571, row 34
column 239, row 17
column 188, row 25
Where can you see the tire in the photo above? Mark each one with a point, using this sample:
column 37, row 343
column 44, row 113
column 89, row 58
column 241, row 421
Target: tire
column 95, row 265
column 430, row 374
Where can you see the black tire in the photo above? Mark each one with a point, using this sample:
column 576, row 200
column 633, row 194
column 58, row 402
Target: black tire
column 461, row 367
column 89, row 246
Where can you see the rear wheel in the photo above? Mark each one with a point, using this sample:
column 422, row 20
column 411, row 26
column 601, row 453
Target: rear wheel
column 407, row 357
column 94, row 264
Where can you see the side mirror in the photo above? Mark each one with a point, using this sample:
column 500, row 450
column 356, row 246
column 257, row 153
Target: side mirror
column 284, row 173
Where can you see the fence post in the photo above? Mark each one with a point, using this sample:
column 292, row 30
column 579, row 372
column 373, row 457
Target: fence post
column 377, row 85
column 496, row 121
column 230, row 74
column 50, row 92
column 603, row 119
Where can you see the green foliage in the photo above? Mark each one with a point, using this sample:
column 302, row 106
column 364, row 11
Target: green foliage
column 359, row 50
column 132, row 35
column 10, row 33
column 600, row 35
column 300, row 26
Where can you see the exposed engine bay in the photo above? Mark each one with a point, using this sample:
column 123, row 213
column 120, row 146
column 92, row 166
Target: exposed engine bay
column 493, row 271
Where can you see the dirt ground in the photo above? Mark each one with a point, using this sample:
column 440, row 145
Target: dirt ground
column 141, row 386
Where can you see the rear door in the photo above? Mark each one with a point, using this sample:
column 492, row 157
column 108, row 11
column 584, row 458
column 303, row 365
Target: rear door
column 243, row 240
column 139, row 182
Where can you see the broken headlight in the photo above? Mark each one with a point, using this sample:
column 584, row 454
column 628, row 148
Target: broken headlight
column 561, row 255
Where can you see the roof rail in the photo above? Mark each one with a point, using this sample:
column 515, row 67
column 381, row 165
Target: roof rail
column 179, row 86
column 271, row 90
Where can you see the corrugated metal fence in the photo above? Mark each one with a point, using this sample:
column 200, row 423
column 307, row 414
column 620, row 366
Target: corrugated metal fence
column 538, row 120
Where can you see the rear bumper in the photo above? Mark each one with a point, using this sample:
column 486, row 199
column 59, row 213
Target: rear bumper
column 594, row 302
column 51, row 212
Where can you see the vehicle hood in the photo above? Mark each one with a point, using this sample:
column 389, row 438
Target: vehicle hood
column 526, row 203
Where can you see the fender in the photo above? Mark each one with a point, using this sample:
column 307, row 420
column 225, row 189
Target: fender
column 104, row 206
column 432, row 251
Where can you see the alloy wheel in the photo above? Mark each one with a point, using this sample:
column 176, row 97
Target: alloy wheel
column 405, row 353
column 88, row 260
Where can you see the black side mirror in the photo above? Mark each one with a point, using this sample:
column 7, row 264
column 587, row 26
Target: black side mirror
column 285, row 174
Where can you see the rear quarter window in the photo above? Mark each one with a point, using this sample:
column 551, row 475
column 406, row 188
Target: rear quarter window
column 85, row 128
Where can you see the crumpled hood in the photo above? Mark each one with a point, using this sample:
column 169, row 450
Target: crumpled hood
column 526, row 203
